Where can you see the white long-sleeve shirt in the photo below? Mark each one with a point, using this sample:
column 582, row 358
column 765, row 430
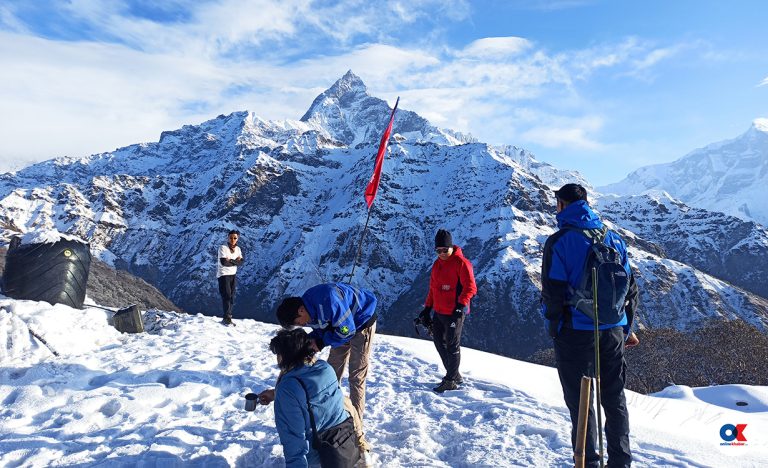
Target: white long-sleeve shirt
column 225, row 252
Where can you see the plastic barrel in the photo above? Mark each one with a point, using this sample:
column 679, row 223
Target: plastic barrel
column 56, row 273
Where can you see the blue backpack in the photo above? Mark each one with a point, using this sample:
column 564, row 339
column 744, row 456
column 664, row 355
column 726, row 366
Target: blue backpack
column 612, row 280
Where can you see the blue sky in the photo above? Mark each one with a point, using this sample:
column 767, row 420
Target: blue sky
column 602, row 87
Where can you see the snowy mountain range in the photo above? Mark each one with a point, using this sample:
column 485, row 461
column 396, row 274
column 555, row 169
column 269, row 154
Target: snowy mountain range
column 295, row 191
column 729, row 176
column 718, row 244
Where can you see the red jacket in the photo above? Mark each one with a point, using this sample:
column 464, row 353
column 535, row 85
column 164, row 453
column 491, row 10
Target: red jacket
column 452, row 283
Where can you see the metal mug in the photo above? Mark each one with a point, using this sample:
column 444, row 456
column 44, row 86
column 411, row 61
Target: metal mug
column 251, row 399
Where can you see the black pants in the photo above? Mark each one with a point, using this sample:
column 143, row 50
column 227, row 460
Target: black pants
column 575, row 355
column 227, row 285
column 446, row 333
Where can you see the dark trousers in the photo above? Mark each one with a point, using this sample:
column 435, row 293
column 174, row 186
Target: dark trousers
column 227, row 285
column 575, row 355
column 446, row 333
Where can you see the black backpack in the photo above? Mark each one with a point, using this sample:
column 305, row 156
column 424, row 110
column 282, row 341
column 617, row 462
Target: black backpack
column 612, row 280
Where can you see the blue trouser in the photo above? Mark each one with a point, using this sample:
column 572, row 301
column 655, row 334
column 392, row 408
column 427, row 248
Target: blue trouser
column 575, row 356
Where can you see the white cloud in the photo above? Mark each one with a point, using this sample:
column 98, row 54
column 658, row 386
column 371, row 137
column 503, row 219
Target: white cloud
column 764, row 82
column 574, row 134
column 9, row 21
column 494, row 48
column 86, row 97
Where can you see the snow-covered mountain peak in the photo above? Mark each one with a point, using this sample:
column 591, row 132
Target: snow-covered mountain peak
column 760, row 124
column 345, row 92
column 352, row 116
column 728, row 176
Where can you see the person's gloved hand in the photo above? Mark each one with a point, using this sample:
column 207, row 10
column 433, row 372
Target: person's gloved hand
column 425, row 317
column 458, row 311
column 553, row 327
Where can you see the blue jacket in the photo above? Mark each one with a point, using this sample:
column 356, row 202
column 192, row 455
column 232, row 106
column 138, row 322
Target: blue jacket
column 292, row 416
column 565, row 253
column 337, row 311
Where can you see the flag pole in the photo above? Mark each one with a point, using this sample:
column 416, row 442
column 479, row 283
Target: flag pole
column 373, row 184
column 360, row 245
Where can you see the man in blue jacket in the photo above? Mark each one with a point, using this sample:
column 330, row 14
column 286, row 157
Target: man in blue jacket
column 565, row 255
column 343, row 317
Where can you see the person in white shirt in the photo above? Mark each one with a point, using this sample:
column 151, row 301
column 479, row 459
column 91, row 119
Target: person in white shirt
column 229, row 258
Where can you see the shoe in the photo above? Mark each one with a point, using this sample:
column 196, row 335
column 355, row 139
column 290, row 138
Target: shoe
column 459, row 381
column 228, row 322
column 446, row 385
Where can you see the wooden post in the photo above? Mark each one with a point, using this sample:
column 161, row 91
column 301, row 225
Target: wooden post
column 585, row 401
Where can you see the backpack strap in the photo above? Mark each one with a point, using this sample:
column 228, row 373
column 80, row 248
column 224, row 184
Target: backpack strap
column 595, row 234
column 309, row 408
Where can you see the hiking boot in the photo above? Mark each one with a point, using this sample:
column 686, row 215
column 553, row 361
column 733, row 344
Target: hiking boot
column 446, row 385
column 228, row 322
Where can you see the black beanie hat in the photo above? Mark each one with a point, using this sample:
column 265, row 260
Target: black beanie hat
column 443, row 239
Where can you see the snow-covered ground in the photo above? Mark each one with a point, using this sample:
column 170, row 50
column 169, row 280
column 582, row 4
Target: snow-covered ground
column 174, row 396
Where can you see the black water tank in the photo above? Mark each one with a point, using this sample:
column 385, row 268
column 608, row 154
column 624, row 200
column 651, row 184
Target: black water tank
column 53, row 272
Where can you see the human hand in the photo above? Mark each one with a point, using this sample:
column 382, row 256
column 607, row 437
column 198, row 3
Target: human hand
column 632, row 340
column 267, row 396
column 458, row 311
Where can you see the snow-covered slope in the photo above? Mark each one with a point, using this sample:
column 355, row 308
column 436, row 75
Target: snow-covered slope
column 174, row 396
column 295, row 191
column 729, row 176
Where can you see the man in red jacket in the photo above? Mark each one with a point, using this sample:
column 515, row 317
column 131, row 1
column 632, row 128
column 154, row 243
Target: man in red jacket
column 451, row 286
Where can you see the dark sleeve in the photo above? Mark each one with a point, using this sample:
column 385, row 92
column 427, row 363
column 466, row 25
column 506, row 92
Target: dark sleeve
column 227, row 262
column 553, row 292
column 633, row 298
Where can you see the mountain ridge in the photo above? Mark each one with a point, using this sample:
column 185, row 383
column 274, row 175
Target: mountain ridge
column 727, row 176
column 294, row 190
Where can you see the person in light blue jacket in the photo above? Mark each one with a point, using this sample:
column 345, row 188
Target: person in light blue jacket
column 296, row 359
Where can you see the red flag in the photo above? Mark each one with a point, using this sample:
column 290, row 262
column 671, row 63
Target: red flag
column 373, row 185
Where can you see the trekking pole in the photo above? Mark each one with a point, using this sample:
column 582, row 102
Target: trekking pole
column 581, row 429
column 597, row 367
column 360, row 245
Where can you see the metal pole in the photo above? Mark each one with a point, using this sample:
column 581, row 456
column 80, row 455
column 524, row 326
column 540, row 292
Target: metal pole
column 360, row 245
column 599, row 407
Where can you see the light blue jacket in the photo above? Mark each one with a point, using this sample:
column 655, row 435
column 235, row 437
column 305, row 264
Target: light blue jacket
column 292, row 416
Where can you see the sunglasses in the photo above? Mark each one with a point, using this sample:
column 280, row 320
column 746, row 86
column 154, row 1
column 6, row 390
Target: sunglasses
column 442, row 250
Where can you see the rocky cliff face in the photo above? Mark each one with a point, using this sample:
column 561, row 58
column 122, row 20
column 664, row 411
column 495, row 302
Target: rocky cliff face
column 295, row 191
column 715, row 243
